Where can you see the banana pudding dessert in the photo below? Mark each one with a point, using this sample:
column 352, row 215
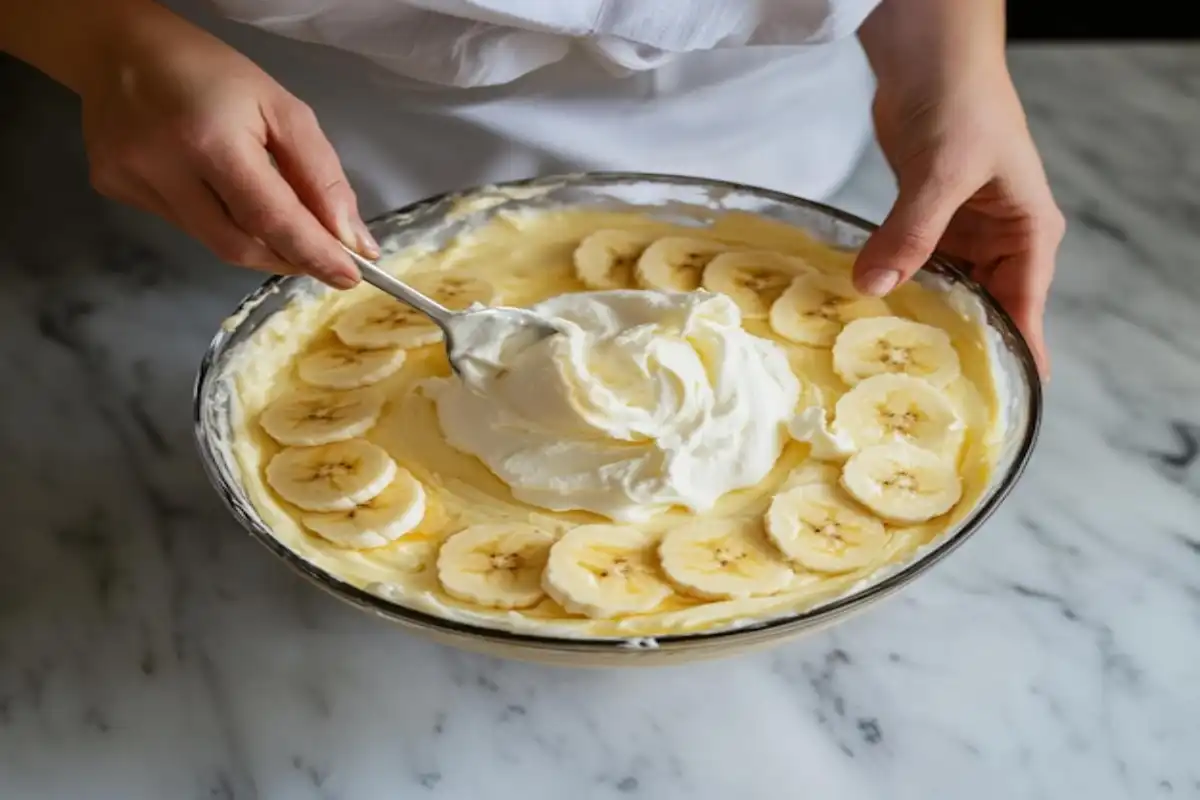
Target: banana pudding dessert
column 723, row 433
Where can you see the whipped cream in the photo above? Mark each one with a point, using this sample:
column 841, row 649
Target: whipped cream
column 829, row 443
column 646, row 400
column 486, row 340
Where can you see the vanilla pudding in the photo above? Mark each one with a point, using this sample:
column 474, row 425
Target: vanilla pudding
column 725, row 432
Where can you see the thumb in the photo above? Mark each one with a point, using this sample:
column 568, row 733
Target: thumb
column 908, row 236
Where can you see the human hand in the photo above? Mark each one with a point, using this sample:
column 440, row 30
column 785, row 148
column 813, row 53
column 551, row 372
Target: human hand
column 179, row 124
column 971, row 184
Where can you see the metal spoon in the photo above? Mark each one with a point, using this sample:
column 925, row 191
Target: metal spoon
column 464, row 330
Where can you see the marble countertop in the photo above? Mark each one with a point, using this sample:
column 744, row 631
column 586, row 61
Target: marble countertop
column 149, row 649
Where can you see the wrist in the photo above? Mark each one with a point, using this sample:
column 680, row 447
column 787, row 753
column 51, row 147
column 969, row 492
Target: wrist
column 915, row 46
column 101, row 35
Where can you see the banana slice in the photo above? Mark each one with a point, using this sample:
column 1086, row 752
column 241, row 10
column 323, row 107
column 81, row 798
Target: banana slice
column 341, row 367
column 381, row 520
column 311, row 417
column 605, row 259
column 754, row 279
column 901, row 482
column 675, row 263
column 821, row 529
column 381, row 321
column 888, row 408
column 331, row 477
column 723, row 559
column 604, row 571
column 498, row 565
column 814, row 308
column 455, row 292
column 879, row 345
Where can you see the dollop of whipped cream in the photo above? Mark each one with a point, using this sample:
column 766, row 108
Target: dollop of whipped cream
column 829, row 443
column 646, row 400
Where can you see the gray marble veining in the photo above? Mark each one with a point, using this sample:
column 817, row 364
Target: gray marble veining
column 148, row 649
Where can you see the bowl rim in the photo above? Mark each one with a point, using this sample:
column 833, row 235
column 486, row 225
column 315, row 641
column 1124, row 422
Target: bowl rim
column 779, row 626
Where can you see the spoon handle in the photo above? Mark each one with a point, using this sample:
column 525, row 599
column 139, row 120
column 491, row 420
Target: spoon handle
column 400, row 290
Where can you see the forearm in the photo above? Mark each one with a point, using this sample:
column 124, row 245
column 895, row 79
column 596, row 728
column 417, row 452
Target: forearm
column 70, row 40
column 918, row 41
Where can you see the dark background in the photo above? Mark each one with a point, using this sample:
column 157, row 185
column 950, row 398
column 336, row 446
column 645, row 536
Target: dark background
column 1146, row 20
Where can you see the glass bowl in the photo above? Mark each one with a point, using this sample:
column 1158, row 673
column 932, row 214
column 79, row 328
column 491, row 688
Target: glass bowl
column 683, row 200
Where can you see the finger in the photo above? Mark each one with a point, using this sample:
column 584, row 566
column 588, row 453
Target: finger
column 909, row 234
column 1020, row 285
column 263, row 205
column 198, row 211
column 309, row 163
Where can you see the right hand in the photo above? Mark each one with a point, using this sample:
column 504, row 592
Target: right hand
column 183, row 126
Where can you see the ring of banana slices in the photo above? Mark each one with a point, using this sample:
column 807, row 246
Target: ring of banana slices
column 350, row 492
column 897, row 435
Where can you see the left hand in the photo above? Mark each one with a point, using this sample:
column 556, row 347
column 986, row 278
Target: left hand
column 971, row 184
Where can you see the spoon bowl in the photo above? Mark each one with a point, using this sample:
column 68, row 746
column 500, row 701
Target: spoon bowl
column 465, row 332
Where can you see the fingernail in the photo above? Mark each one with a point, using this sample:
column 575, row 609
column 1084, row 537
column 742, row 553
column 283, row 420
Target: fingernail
column 354, row 234
column 345, row 229
column 366, row 242
column 878, row 282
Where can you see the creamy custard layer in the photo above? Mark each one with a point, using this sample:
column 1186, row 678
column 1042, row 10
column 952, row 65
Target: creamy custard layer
column 527, row 257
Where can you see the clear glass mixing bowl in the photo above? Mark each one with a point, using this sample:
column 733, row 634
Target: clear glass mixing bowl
column 678, row 199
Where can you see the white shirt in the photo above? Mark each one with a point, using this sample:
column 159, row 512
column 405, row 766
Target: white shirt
column 420, row 96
